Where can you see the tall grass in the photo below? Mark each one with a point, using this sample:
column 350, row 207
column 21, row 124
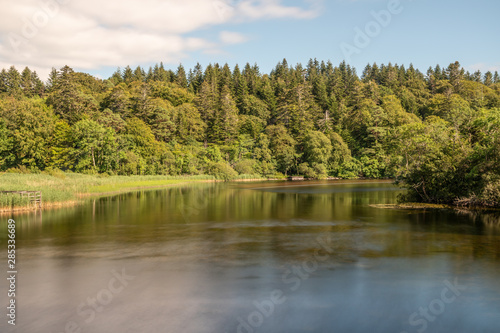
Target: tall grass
column 12, row 200
column 249, row 177
column 124, row 183
column 62, row 187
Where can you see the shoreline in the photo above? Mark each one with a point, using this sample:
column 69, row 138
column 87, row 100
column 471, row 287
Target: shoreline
column 81, row 197
column 424, row 206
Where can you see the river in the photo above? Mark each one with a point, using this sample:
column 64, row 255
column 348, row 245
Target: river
column 255, row 257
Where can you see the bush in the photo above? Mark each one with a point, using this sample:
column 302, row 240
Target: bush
column 306, row 171
column 320, row 171
column 20, row 169
column 246, row 167
column 55, row 172
column 221, row 171
column 491, row 194
column 350, row 169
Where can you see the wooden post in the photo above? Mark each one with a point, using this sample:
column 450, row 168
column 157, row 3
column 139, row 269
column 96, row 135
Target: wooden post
column 34, row 197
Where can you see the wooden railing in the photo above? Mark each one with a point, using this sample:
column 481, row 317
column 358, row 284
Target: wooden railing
column 35, row 197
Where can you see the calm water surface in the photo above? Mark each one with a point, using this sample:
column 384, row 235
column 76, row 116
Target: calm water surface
column 256, row 257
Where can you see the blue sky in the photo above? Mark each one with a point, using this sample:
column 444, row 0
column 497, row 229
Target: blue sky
column 96, row 36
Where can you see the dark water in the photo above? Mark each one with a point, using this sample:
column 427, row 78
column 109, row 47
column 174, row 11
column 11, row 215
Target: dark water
column 255, row 257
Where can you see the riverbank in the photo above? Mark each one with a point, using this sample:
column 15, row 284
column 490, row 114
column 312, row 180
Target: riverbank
column 425, row 206
column 69, row 189
column 413, row 205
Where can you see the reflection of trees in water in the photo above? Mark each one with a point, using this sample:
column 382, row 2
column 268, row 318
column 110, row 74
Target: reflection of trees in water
column 490, row 219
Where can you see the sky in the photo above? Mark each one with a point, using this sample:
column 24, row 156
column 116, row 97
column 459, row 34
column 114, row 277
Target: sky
column 98, row 36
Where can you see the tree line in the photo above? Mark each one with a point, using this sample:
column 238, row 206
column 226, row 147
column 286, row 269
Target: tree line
column 435, row 132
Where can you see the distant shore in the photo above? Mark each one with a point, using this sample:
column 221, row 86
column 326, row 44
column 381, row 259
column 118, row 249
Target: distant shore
column 424, row 206
column 70, row 189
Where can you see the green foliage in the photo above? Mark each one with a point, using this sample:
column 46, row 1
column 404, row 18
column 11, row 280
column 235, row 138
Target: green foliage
column 221, row 170
column 58, row 186
column 94, row 146
column 427, row 157
column 9, row 201
column 283, row 147
column 246, row 166
column 27, row 127
column 340, row 155
column 436, row 133
column 317, row 148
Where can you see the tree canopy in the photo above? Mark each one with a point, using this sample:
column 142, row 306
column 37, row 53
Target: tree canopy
column 437, row 133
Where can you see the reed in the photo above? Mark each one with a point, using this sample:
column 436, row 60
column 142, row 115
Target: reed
column 59, row 187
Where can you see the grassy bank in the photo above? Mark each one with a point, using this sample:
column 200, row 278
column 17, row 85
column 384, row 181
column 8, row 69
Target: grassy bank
column 69, row 188
column 65, row 189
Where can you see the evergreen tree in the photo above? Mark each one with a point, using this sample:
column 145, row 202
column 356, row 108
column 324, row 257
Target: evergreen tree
column 180, row 77
column 117, row 77
column 14, row 82
column 3, row 81
column 139, row 74
column 196, row 78
column 488, row 78
column 128, row 75
column 67, row 98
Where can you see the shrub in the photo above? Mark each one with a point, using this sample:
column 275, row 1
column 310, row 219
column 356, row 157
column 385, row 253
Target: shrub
column 247, row 167
column 221, row 171
column 306, row 171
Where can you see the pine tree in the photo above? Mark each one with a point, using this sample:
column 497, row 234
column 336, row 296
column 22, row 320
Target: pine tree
column 251, row 75
column 38, row 86
column 52, row 80
column 14, row 82
column 128, row 75
column 455, row 75
column 150, row 75
column 206, row 101
column 367, row 73
column 225, row 124
column 3, row 81
column 117, row 77
column 496, row 77
column 226, row 77
column 67, row 98
column 438, row 73
column 240, row 89
column 27, row 82
column 139, row 74
column 180, row 76
column 477, row 76
column 196, row 78
column 488, row 78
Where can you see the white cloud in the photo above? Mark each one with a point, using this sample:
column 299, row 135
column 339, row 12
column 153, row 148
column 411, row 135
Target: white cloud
column 92, row 34
column 274, row 9
column 484, row 67
column 228, row 37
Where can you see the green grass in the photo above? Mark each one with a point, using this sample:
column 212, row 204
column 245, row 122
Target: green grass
column 249, row 177
column 126, row 183
column 13, row 200
column 64, row 187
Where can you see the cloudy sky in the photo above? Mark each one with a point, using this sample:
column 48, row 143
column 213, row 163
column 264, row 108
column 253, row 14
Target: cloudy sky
column 97, row 36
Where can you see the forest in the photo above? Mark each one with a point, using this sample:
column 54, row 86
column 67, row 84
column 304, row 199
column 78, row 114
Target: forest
column 436, row 133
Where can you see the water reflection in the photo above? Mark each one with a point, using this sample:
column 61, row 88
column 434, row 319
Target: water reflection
column 205, row 255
